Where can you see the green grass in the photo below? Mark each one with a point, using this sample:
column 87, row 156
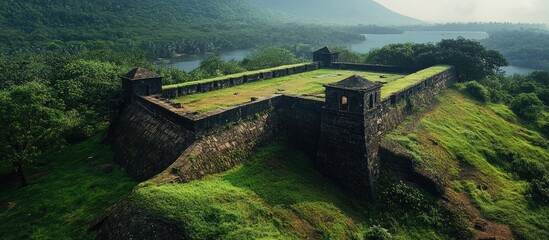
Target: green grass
column 277, row 194
column 232, row 76
column 65, row 199
column 466, row 144
column 410, row 80
column 308, row 83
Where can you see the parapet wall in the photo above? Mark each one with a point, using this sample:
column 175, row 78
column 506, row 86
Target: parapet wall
column 402, row 104
column 371, row 67
column 235, row 81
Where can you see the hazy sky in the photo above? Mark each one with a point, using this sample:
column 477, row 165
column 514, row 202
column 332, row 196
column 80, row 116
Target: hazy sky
column 536, row 11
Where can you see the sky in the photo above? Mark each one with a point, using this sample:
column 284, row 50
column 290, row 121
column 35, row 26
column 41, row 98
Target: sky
column 439, row 11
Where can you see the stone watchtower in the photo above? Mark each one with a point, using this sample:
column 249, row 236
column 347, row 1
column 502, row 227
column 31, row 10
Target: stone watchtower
column 325, row 56
column 349, row 143
column 141, row 82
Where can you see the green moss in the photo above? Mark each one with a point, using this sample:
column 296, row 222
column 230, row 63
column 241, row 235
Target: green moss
column 236, row 75
column 308, row 83
column 62, row 203
column 473, row 146
column 410, row 80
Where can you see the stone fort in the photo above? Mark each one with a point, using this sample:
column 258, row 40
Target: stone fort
column 341, row 132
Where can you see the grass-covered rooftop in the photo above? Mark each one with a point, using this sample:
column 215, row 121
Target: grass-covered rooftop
column 304, row 84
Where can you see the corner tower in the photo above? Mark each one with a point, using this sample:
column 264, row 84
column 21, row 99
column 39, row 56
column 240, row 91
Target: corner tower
column 141, row 82
column 325, row 56
column 349, row 143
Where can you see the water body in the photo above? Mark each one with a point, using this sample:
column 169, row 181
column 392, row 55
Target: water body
column 190, row 62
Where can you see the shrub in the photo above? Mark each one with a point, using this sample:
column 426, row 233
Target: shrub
column 527, row 106
column 528, row 169
column 540, row 190
column 477, row 91
column 377, row 233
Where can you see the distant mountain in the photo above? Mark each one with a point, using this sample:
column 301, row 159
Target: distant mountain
column 348, row 12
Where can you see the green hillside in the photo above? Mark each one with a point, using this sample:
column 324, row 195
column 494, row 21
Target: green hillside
column 483, row 150
column 163, row 28
column 350, row 12
column 277, row 194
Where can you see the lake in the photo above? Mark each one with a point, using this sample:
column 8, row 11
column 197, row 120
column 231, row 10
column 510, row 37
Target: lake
column 190, row 62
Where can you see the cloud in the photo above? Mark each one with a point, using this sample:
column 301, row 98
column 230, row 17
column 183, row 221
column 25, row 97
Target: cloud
column 472, row 10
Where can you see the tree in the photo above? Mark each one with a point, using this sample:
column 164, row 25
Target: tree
column 527, row 106
column 269, row 57
column 32, row 121
column 471, row 59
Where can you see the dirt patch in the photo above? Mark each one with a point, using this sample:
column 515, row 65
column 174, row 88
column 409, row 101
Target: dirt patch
column 483, row 228
column 7, row 206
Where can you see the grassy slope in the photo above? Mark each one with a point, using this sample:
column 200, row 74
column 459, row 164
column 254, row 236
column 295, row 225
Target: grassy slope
column 299, row 84
column 277, row 194
column 62, row 203
column 459, row 142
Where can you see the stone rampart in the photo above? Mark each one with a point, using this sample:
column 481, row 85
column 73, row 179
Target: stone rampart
column 158, row 126
column 145, row 142
column 402, row 104
column 371, row 67
column 234, row 81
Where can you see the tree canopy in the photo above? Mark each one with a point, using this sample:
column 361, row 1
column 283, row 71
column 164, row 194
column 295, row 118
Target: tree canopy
column 471, row 59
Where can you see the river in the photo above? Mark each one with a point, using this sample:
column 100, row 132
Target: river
column 190, row 62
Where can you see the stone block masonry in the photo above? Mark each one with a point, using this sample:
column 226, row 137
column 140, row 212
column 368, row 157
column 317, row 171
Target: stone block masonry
column 155, row 136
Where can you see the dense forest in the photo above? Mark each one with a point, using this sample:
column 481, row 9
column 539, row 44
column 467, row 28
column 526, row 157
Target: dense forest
column 351, row 12
column 522, row 48
column 162, row 28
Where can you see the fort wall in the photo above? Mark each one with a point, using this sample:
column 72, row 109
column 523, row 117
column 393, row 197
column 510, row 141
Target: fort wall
column 371, row 67
column 235, row 81
column 156, row 132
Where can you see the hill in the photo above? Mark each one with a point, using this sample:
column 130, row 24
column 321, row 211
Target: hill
column 481, row 151
column 278, row 194
column 349, row 12
column 163, row 28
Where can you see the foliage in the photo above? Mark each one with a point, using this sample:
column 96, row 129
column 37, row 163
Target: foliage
column 162, row 29
column 377, row 233
column 477, row 91
column 330, row 12
column 540, row 189
column 486, row 149
column 65, row 195
column 528, row 48
column 527, row 106
column 31, row 122
column 87, row 85
column 470, row 58
column 268, row 58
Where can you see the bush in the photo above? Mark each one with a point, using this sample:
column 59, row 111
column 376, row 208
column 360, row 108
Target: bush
column 528, row 169
column 540, row 190
column 477, row 91
column 377, row 233
column 527, row 106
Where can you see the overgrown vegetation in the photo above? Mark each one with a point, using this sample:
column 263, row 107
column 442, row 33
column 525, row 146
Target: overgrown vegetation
column 526, row 95
column 528, row 49
column 486, row 151
column 277, row 194
column 471, row 59
column 162, row 29
column 66, row 192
